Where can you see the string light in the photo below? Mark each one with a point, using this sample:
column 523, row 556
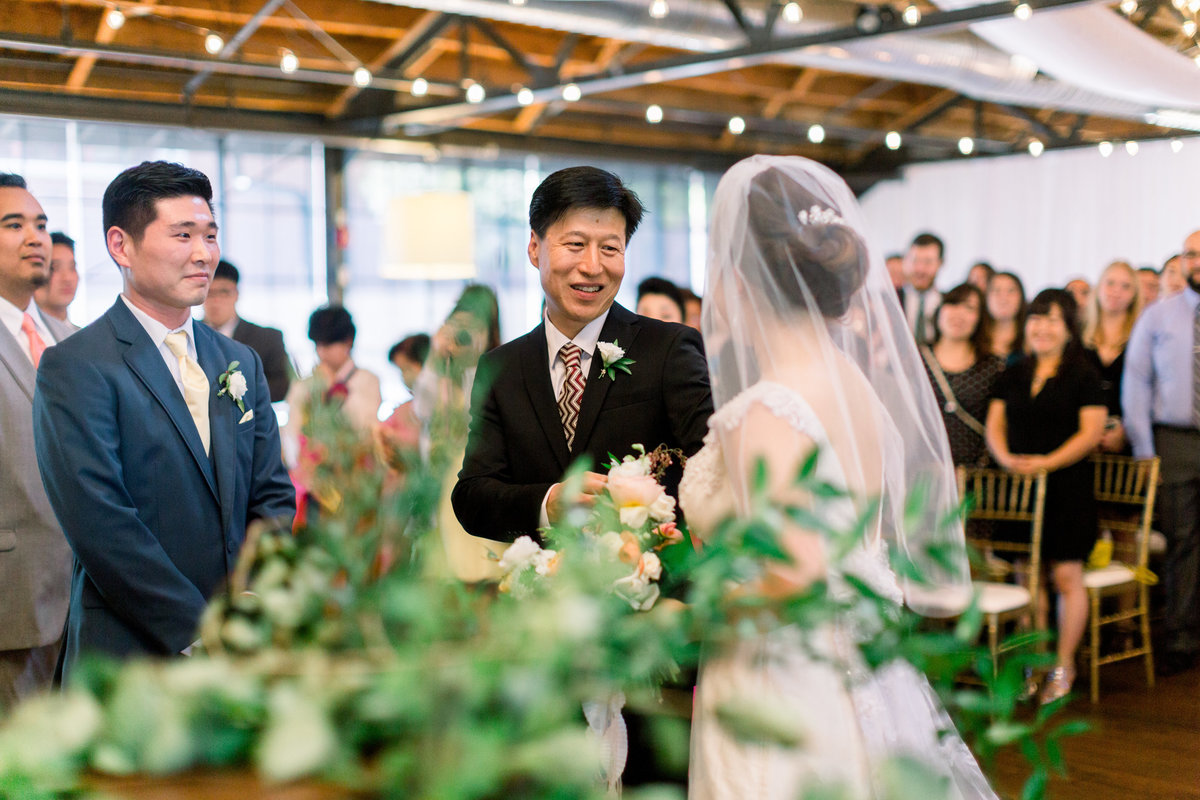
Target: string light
column 288, row 62
column 1128, row 7
column 1131, row 147
column 1036, row 147
column 114, row 18
column 362, row 77
column 571, row 93
column 966, row 145
column 792, row 13
column 737, row 126
column 419, row 88
column 476, row 93
column 1106, row 149
column 1194, row 6
column 893, row 140
column 213, row 43
column 911, row 15
column 659, row 9
column 816, row 133
column 1179, row 4
column 1176, row 145
column 654, row 114
column 517, row 2
column 1189, row 28
column 525, row 96
column 1023, row 11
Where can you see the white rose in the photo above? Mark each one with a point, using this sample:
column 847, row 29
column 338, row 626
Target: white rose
column 543, row 561
column 610, row 352
column 663, row 509
column 237, row 385
column 631, row 468
column 611, row 544
column 650, row 567
column 519, row 554
column 634, row 516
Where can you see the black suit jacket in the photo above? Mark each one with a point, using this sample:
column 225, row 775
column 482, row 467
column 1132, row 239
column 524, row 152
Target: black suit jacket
column 268, row 343
column 516, row 449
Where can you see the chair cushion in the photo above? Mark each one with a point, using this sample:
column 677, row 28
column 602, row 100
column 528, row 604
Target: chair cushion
column 998, row 598
column 1114, row 574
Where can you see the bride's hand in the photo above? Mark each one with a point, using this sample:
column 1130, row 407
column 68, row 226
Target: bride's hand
column 782, row 580
column 556, row 504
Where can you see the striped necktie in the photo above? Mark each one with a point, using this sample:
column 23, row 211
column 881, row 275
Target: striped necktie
column 571, row 395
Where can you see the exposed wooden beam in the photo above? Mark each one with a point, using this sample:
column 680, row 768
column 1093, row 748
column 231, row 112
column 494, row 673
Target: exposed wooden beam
column 104, row 35
column 797, row 91
column 417, row 34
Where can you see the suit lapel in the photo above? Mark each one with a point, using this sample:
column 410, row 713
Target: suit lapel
column 223, row 417
column 534, row 360
column 621, row 327
column 145, row 361
column 12, row 356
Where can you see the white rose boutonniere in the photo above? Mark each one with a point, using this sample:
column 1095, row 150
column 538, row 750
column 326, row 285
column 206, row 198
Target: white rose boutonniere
column 613, row 356
column 233, row 383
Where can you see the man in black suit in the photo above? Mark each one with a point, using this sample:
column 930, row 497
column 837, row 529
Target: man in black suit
column 544, row 400
column 220, row 314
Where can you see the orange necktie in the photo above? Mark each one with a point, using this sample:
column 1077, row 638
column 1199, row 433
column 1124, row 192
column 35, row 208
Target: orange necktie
column 37, row 345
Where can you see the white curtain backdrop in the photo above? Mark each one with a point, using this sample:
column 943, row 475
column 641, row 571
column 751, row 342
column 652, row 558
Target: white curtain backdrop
column 1066, row 214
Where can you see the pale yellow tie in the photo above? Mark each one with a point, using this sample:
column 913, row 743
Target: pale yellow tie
column 195, row 384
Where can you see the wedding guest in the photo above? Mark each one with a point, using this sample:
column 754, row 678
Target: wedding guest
column 220, row 314
column 1114, row 307
column 980, row 275
column 35, row 559
column 895, row 270
column 1080, row 290
column 692, row 305
column 1006, row 307
column 660, row 299
column 56, row 294
column 963, row 371
column 400, row 433
column 1172, row 281
column 1048, row 414
column 1161, row 398
column 920, row 299
column 1148, row 281
column 408, row 355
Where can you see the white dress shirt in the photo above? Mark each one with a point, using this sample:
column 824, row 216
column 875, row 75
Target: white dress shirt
column 158, row 334
column 14, row 317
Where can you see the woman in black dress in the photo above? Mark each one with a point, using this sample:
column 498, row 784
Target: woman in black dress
column 963, row 371
column 1114, row 307
column 1048, row 414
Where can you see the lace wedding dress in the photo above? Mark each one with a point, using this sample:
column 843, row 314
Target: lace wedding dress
column 852, row 720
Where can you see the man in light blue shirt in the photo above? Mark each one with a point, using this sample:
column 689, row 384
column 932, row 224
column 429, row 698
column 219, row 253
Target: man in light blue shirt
column 1160, row 397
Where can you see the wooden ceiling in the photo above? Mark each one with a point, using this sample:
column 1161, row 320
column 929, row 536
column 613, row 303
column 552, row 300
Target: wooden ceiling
column 64, row 57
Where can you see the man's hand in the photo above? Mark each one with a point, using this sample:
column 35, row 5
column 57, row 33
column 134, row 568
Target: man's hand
column 557, row 504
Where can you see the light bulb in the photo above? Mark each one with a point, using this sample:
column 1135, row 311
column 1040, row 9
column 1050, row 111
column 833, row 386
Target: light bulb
column 654, row 114
column 1036, row 147
column 362, row 77
column 114, row 19
column 517, row 2
column 288, row 62
column 816, row 134
column 966, row 145
column 659, row 9
column 419, row 87
column 737, row 126
column 792, row 13
column 213, row 43
column 1106, row 149
column 1131, row 147
column 525, row 95
column 1128, row 7
column 1194, row 6
column 1197, row 59
column 571, row 93
column 1179, row 4
column 1176, row 145
column 1023, row 11
column 476, row 93
column 912, row 15
column 893, row 140
column 1189, row 28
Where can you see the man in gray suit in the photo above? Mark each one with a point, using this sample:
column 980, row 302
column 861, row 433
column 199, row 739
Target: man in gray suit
column 35, row 560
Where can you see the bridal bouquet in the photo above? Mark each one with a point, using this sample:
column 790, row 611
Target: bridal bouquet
column 632, row 521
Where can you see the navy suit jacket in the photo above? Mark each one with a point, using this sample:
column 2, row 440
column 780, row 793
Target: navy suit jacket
column 154, row 522
column 516, row 448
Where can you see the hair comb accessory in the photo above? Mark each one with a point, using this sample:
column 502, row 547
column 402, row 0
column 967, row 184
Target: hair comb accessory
column 819, row 216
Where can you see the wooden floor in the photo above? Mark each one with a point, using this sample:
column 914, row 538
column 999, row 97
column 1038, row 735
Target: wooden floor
column 1145, row 743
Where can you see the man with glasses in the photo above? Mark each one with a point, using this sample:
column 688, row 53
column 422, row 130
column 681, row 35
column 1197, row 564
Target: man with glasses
column 1161, row 399
column 220, row 314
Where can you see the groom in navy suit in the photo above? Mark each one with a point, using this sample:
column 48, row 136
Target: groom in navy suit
column 153, row 463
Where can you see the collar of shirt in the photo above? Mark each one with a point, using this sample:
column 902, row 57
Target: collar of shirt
column 158, row 334
column 586, row 339
column 229, row 327
column 13, row 317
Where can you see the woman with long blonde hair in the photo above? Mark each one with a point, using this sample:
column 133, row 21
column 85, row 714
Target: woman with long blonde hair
column 1114, row 307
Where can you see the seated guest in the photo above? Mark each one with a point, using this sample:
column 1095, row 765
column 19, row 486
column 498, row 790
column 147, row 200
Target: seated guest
column 980, row 275
column 963, row 371
column 692, row 304
column 220, row 314
column 1115, row 306
column 1172, row 281
column 1048, row 414
column 1081, row 290
column 56, row 294
column 1148, row 280
column 1006, row 307
column 660, row 299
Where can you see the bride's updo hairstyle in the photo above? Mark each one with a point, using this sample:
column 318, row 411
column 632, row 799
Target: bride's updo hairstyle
column 805, row 245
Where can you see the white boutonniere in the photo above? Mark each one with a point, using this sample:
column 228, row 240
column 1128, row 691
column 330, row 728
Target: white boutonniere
column 614, row 359
column 233, row 383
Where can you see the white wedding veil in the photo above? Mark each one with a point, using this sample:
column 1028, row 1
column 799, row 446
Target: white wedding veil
column 794, row 296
